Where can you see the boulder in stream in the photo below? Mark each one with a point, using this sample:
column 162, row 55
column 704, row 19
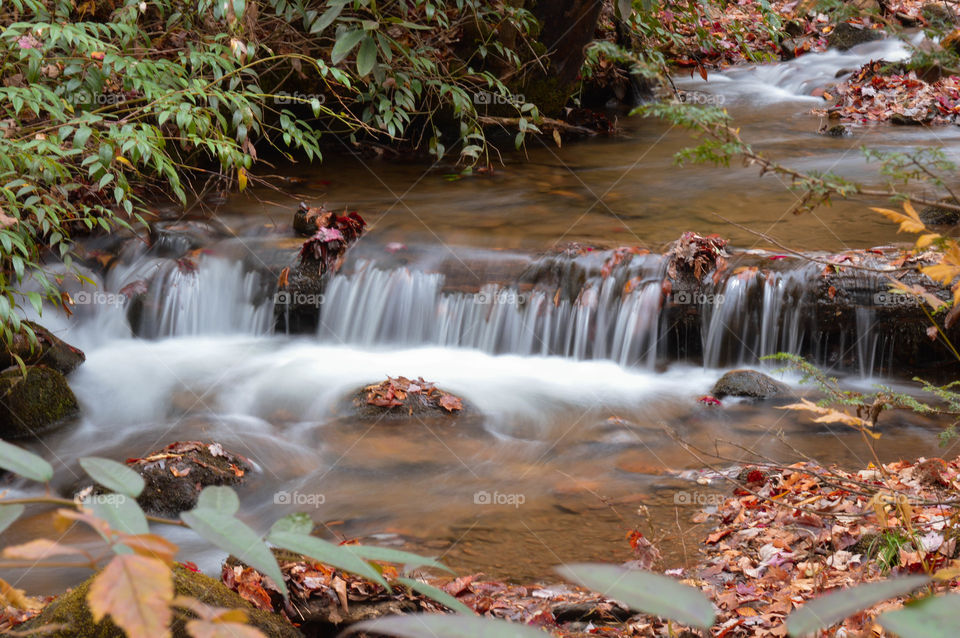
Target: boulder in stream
column 49, row 350
column 34, row 403
column 400, row 396
column 176, row 474
column 71, row 614
column 750, row 384
column 845, row 36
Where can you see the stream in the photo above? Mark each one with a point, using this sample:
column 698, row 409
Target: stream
column 569, row 442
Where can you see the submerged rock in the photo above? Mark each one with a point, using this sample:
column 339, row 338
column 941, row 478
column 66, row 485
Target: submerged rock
column 176, row 474
column 749, row 383
column 50, row 351
column 34, row 404
column 845, row 36
column 72, row 615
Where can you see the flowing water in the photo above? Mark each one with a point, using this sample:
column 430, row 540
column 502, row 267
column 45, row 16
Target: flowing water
column 577, row 391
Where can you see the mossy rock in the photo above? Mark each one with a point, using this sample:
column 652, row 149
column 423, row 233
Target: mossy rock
column 936, row 216
column 845, row 36
column 34, row 404
column 49, row 351
column 71, row 612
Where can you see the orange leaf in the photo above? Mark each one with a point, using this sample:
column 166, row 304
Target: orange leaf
column 150, row 545
column 136, row 591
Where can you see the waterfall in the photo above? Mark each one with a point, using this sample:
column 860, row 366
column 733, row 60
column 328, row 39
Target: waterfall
column 581, row 307
column 405, row 307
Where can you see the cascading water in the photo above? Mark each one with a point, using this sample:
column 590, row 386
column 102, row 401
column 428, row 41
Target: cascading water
column 406, row 307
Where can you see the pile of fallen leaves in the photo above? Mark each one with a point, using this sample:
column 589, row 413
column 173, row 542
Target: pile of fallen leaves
column 414, row 395
column 333, row 235
column 697, row 254
column 870, row 95
column 790, row 534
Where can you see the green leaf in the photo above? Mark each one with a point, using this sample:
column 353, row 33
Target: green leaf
column 366, row 56
column 345, row 44
column 121, row 513
column 81, row 136
column 445, row 626
column 826, row 610
column 325, row 552
column 326, row 19
column 113, row 476
column 232, row 535
column 26, row 464
column 644, row 591
column 8, row 514
column 387, row 555
column 438, row 595
column 219, row 499
column 933, row 617
column 298, row 523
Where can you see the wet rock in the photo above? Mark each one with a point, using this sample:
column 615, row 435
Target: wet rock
column 845, row 36
column 175, row 239
column 599, row 611
column 176, row 474
column 749, row 383
column 71, row 613
column 35, row 404
column 300, row 292
column 837, row 130
column 936, row 216
column 904, row 119
column 50, row 351
column 402, row 397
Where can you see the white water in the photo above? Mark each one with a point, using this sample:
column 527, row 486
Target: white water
column 795, row 79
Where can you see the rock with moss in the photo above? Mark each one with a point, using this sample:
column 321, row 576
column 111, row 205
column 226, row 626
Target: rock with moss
column 48, row 350
column 846, row 36
column 34, row 403
column 71, row 614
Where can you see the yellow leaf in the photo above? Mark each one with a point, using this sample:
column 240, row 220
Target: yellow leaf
column 39, row 549
column 242, row 177
column 925, row 240
column 208, row 629
column 136, row 592
column 944, row 273
column 17, row 598
column 123, row 160
column 908, row 223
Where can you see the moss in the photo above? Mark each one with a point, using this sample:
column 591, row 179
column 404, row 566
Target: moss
column 34, row 404
column 70, row 610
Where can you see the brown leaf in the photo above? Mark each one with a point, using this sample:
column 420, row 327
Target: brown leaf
column 450, row 403
column 136, row 591
column 150, row 545
column 209, row 629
